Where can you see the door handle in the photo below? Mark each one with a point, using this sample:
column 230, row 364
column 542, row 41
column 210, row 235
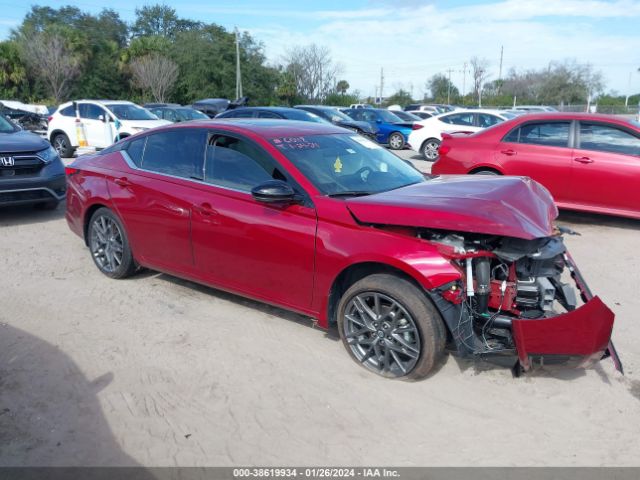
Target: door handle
column 509, row 152
column 583, row 160
column 123, row 182
column 205, row 209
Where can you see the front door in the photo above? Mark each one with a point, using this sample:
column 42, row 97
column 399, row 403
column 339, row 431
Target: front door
column 263, row 250
column 97, row 131
column 606, row 167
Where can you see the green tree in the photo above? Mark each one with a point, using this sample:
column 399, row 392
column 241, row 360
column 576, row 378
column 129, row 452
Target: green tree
column 342, row 86
column 160, row 20
column 441, row 89
column 13, row 74
column 401, row 97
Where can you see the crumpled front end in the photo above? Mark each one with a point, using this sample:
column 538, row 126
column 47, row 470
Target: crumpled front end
column 521, row 302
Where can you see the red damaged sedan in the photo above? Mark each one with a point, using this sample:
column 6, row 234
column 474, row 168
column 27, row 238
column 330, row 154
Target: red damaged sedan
column 319, row 220
column 588, row 162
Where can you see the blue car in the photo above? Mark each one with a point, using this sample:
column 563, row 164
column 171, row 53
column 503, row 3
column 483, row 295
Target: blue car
column 391, row 129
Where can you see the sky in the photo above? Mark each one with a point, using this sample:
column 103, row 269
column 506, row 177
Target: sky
column 411, row 40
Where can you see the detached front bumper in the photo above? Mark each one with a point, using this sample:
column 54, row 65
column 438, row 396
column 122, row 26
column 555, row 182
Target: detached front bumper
column 581, row 336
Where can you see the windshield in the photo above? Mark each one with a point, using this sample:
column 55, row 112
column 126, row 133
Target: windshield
column 389, row 117
column 347, row 164
column 304, row 116
column 6, row 126
column 125, row 111
column 189, row 114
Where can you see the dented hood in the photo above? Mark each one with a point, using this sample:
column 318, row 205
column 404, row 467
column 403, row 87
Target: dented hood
column 507, row 206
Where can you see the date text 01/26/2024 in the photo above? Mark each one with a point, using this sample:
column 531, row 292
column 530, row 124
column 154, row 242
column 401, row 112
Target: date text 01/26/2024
column 317, row 472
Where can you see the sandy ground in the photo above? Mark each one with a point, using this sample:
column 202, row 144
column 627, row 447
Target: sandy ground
column 156, row 371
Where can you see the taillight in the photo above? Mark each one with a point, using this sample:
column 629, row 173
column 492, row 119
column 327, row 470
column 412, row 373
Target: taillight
column 69, row 171
column 49, row 118
column 416, row 126
column 444, row 149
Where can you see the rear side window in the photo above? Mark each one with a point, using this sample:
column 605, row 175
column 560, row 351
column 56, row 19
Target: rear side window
column 242, row 113
column 607, row 138
column 267, row 114
column 179, row 153
column 465, row 119
column 135, row 149
column 68, row 111
column 550, row 134
column 90, row 111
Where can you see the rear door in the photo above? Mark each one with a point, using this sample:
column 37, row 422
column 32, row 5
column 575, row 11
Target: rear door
column 155, row 196
column 540, row 150
column 262, row 250
column 606, row 166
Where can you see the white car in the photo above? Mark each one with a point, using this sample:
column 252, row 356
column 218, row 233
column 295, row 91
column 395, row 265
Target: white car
column 427, row 134
column 97, row 124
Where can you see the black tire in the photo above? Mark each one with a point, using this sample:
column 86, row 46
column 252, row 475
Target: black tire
column 429, row 149
column 486, row 171
column 396, row 141
column 104, row 234
column 62, row 145
column 409, row 342
column 52, row 205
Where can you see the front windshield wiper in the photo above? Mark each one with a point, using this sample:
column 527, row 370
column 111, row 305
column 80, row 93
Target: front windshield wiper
column 350, row 193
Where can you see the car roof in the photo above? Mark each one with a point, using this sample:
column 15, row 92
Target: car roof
column 273, row 109
column 267, row 128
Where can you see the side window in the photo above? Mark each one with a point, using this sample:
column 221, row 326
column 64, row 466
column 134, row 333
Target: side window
column 355, row 114
column 369, row 116
column 266, row 114
column 241, row 113
column 607, row 138
column 513, row 136
column 68, row 111
column 551, row 134
column 485, row 120
column 170, row 115
column 465, row 119
column 179, row 152
column 238, row 164
column 157, row 112
column 90, row 111
column 135, row 149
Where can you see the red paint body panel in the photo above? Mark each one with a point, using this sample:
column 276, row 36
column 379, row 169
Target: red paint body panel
column 584, row 332
column 578, row 179
column 514, row 207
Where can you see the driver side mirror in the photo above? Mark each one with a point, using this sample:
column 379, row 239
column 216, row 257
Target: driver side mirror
column 378, row 120
column 275, row 191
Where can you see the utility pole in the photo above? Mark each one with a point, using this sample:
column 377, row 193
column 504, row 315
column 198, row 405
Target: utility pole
column 449, row 86
column 501, row 55
column 626, row 100
column 238, row 74
column 464, row 80
column 381, row 83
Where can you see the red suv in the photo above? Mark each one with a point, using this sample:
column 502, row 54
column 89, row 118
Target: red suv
column 320, row 220
column 588, row 162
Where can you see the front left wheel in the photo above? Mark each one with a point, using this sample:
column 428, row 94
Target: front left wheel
column 390, row 327
column 109, row 245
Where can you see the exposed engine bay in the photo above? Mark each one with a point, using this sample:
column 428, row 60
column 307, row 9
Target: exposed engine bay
column 504, row 280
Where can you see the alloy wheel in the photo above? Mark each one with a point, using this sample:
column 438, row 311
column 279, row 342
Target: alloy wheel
column 382, row 334
column 106, row 243
column 430, row 150
column 60, row 145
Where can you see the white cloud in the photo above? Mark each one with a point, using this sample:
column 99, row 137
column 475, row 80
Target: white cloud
column 414, row 42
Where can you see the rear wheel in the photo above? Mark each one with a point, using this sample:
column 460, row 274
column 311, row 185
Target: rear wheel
column 390, row 327
column 109, row 245
column 430, row 148
column 396, row 141
column 485, row 171
column 62, row 145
